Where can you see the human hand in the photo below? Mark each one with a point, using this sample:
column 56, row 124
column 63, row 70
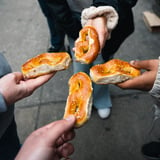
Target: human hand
column 13, row 86
column 146, row 80
column 100, row 24
column 49, row 142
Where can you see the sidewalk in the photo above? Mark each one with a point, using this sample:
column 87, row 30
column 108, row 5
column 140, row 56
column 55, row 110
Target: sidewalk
column 24, row 34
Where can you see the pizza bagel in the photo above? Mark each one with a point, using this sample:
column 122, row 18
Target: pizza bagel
column 112, row 72
column 45, row 63
column 79, row 100
column 87, row 46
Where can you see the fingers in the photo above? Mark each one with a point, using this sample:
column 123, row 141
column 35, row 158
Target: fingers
column 58, row 128
column 33, row 84
column 65, row 150
column 18, row 76
column 142, row 82
column 146, row 64
column 135, row 83
column 65, row 137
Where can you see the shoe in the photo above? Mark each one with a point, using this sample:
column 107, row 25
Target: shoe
column 104, row 112
column 53, row 49
column 151, row 150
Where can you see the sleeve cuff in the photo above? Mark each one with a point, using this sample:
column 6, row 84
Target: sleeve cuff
column 3, row 106
column 155, row 91
column 107, row 11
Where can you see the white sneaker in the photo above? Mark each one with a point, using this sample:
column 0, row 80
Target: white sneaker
column 104, row 112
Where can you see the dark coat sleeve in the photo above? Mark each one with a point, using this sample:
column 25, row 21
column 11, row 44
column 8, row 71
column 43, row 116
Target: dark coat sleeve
column 113, row 3
column 124, row 28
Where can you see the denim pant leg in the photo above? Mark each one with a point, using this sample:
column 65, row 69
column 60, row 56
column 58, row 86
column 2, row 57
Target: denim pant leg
column 101, row 95
column 101, row 92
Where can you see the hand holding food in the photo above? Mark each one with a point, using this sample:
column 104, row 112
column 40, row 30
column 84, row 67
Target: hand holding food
column 113, row 71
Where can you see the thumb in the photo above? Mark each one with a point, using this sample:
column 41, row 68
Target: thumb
column 141, row 64
column 58, row 128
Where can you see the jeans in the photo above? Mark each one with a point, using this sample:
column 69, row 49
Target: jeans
column 101, row 95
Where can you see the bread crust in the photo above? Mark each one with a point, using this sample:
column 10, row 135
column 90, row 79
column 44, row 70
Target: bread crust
column 87, row 46
column 79, row 100
column 112, row 72
column 45, row 63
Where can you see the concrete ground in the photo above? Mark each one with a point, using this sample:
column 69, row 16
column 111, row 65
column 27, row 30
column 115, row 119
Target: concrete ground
column 24, row 34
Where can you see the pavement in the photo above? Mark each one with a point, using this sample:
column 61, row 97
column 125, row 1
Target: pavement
column 24, row 34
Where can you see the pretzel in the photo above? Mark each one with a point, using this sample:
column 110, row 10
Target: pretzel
column 87, row 46
column 112, row 72
column 45, row 63
column 79, row 101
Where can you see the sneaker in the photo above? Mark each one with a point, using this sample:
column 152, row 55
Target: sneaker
column 104, row 112
column 151, row 150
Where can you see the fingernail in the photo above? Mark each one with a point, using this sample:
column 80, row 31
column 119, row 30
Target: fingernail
column 69, row 118
column 132, row 62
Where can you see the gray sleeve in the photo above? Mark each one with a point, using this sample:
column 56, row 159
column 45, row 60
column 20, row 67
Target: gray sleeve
column 3, row 106
column 155, row 91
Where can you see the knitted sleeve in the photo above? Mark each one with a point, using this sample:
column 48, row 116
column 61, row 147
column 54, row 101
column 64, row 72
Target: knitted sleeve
column 108, row 11
column 155, row 91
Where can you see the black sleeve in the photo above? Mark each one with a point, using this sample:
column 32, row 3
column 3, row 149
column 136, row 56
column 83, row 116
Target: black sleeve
column 124, row 28
column 115, row 3
column 63, row 16
column 128, row 3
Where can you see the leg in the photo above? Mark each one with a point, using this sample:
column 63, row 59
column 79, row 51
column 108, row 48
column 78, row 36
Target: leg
column 56, row 35
column 102, row 100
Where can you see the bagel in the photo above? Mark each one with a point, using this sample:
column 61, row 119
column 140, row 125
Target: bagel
column 45, row 63
column 87, row 46
column 79, row 100
column 112, row 72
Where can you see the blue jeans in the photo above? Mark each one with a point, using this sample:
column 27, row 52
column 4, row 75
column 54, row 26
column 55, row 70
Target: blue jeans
column 101, row 95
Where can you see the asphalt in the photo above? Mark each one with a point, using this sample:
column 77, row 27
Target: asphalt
column 24, row 34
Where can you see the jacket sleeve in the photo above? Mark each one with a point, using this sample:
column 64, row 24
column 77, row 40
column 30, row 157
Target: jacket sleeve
column 64, row 18
column 155, row 91
column 115, row 3
column 3, row 106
